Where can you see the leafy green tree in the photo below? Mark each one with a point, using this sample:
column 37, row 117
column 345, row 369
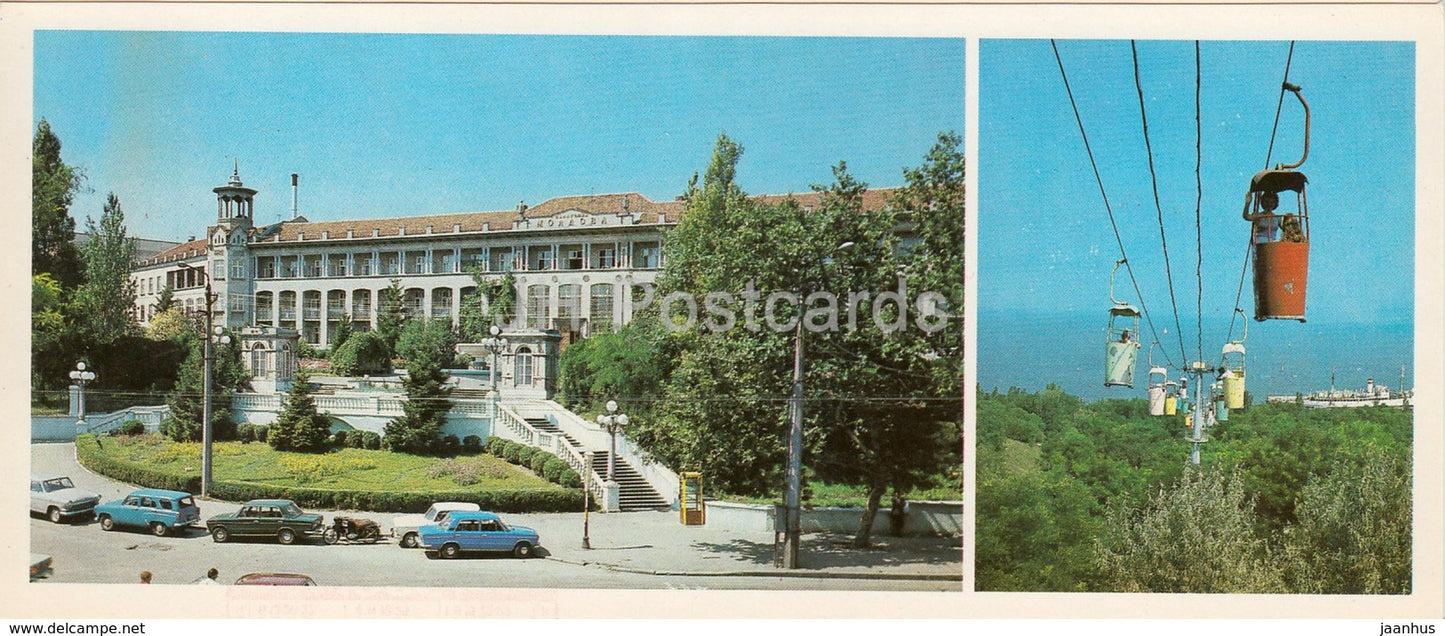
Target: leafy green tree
column 1353, row 535
column 418, row 431
column 432, row 339
column 107, row 298
column 343, row 330
column 1197, row 536
column 52, row 230
column 54, row 348
column 227, row 375
column 173, row 323
column 300, row 427
column 167, row 298
column 362, row 353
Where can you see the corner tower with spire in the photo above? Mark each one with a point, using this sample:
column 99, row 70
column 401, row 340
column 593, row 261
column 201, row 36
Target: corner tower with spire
column 230, row 255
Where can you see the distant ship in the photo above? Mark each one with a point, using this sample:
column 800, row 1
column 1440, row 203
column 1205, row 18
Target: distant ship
column 1372, row 395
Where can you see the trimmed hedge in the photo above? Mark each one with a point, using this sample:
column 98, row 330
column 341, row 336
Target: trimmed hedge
column 89, row 451
column 549, row 466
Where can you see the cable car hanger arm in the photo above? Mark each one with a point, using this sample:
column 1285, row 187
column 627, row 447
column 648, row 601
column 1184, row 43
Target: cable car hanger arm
column 1296, row 90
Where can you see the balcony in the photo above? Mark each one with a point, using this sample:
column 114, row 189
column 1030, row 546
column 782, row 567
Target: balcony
column 312, row 313
column 288, row 314
column 335, row 312
column 363, row 309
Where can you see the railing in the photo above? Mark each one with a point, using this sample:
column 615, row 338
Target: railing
column 312, row 313
column 555, row 444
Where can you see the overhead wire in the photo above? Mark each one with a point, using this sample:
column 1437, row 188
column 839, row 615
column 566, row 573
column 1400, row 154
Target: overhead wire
column 1154, row 183
column 1144, row 307
column 1198, row 203
column 1269, row 154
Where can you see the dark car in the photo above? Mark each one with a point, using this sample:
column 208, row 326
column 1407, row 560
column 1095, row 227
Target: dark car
column 278, row 518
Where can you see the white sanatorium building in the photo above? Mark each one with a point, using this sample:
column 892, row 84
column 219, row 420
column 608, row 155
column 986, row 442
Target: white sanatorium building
column 575, row 260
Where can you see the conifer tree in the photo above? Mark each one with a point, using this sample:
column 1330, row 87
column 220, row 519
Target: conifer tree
column 52, row 230
column 419, row 431
column 300, row 427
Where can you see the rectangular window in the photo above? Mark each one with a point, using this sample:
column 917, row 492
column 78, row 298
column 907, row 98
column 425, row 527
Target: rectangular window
column 606, row 258
column 600, row 316
column 537, row 310
column 574, row 259
column 238, row 270
column 647, row 256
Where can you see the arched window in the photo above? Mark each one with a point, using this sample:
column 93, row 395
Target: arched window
column 524, row 366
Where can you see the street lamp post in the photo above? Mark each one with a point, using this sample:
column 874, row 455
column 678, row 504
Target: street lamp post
column 497, row 345
column 215, row 335
column 792, row 496
column 81, row 377
column 612, row 422
column 586, row 501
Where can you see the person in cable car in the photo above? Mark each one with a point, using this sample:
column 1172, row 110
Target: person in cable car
column 1125, row 336
column 1265, row 223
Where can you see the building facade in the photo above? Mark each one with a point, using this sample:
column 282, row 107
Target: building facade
column 575, row 262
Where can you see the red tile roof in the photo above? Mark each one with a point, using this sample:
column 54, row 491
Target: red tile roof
column 646, row 210
column 193, row 249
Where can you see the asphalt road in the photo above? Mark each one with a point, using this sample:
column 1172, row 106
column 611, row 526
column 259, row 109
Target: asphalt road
column 83, row 553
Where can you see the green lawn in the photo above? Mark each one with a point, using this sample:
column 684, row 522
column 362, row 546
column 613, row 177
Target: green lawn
column 350, row 468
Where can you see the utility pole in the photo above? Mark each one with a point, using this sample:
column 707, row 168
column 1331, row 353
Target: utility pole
column 1196, row 433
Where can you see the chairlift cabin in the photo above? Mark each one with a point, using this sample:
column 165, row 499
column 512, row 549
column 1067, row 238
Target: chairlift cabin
column 1280, row 238
column 1157, row 378
column 1121, row 346
column 1221, row 410
column 1233, row 376
column 1171, row 397
column 1121, row 340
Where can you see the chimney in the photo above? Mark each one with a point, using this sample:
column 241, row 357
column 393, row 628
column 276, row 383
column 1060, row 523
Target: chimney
column 295, row 179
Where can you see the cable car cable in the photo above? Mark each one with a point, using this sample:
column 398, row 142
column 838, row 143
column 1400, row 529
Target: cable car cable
column 1269, row 154
column 1198, row 205
column 1144, row 307
column 1280, row 106
column 1154, row 183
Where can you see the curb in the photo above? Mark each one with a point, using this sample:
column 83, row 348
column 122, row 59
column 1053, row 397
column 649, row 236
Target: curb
column 794, row 574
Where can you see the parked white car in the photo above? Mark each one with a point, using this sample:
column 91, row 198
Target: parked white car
column 56, row 497
column 405, row 526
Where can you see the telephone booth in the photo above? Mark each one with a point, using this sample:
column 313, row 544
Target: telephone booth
column 692, row 509
column 1171, row 397
column 1233, row 379
column 1280, row 235
column 1157, row 379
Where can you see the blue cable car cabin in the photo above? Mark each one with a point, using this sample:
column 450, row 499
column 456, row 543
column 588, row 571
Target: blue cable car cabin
column 1121, row 346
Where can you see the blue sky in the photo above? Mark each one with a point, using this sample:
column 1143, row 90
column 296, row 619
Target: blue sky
column 395, row 125
column 1046, row 248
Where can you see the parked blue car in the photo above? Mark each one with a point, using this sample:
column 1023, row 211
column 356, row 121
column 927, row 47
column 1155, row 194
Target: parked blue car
column 162, row 511
column 481, row 531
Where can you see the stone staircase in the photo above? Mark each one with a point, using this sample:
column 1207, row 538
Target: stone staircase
column 546, row 426
column 459, row 393
column 635, row 493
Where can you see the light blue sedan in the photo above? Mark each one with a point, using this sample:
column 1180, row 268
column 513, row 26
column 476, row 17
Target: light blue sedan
column 162, row 511
column 479, row 531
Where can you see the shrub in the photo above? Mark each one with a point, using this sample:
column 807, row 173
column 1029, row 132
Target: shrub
column 372, row 441
column 362, row 353
column 451, row 445
column 512, row 452
column 525, row 455
column 496, row 446
column 262, row 432
column 245, row 433
column 356, row 439
column 131, row 427
column 91, row 454
column 339, row 438
column 471, row 445
column 539, row 461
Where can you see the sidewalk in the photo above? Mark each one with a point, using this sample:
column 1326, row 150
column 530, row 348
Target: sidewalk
column 656, row 543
